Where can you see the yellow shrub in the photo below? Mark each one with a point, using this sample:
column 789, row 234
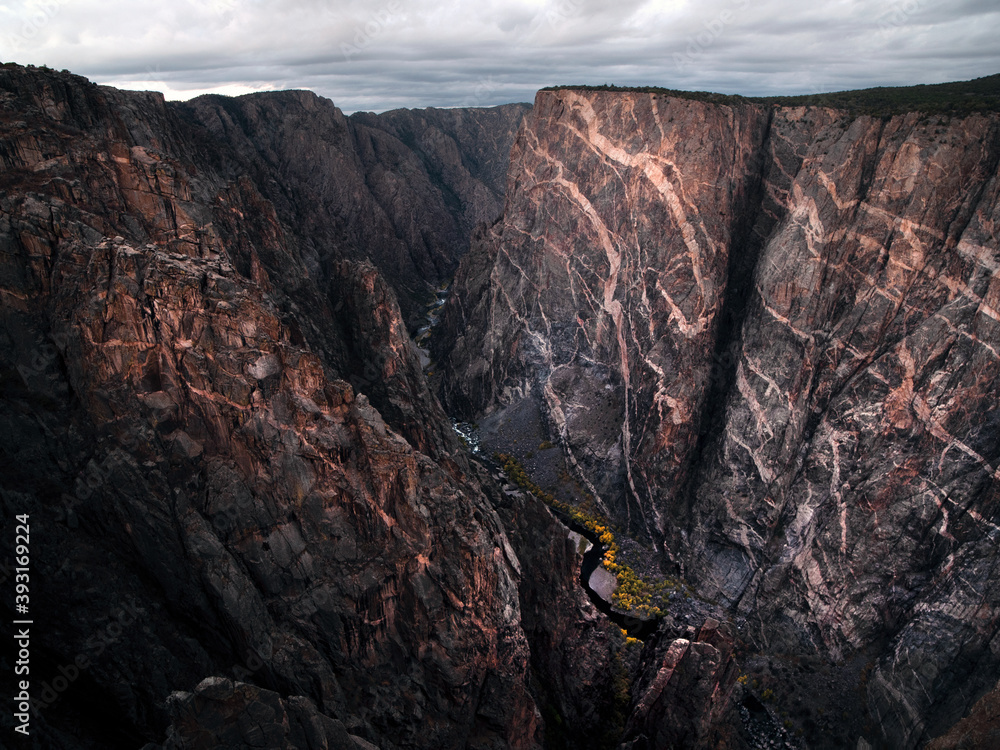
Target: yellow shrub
column 633, row 594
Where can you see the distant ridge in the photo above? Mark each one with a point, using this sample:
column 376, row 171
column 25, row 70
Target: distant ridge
column 958, row 98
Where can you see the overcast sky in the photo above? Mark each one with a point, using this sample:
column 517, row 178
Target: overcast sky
column 414, row 53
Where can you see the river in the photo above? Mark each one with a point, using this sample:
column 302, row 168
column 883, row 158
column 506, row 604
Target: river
column 636, row 627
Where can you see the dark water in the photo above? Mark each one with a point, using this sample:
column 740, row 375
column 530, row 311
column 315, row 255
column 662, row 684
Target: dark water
column 636, row 627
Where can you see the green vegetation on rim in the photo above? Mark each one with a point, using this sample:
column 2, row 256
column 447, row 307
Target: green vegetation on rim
column 959, row 98
column 701, row 96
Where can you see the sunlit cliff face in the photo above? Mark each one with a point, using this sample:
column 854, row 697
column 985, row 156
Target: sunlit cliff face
column 241, row 450
column 766, row 339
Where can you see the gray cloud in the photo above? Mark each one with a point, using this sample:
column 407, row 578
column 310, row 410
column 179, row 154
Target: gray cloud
column 413, row 53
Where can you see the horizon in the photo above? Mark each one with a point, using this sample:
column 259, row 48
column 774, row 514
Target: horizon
column 413, row 54
column 528, row 101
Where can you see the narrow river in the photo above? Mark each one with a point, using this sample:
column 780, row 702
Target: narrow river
column 422, row 337
column 636, row 627
column 761, row 723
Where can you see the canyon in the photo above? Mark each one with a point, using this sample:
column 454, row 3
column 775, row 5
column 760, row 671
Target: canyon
column 766, row 339
column 762, row 340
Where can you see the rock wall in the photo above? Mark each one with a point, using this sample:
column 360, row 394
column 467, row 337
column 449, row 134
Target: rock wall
column 616, row 236
column 685, row 696
column 403, row 189
column 767, row 339
column 251, row 522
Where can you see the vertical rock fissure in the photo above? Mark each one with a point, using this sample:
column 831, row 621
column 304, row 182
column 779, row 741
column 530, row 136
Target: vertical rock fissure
column 870, row 166
column 747, row 241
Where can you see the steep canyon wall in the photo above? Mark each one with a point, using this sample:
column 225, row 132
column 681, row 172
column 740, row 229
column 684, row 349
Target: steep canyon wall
column 767, row 340
column 251, row 522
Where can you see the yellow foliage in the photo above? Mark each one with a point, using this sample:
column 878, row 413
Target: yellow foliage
column 634, row 594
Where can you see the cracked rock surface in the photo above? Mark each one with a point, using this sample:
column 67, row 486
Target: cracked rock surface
column 767, row 340
column 252, row 524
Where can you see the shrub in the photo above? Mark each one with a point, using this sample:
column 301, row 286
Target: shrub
column 634, row 594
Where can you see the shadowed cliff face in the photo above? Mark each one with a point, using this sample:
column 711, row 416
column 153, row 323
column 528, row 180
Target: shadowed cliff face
column 768, row 339
column 239, row 485
column 403, row 189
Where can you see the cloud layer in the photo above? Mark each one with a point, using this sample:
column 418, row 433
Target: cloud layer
column 415, row 53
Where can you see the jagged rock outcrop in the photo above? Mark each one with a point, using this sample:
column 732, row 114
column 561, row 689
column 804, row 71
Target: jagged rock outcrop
column 687, row 694
column 767, row 339
column 581, row 665
column 233, row 467
column 404, row 189
column 223, row 713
